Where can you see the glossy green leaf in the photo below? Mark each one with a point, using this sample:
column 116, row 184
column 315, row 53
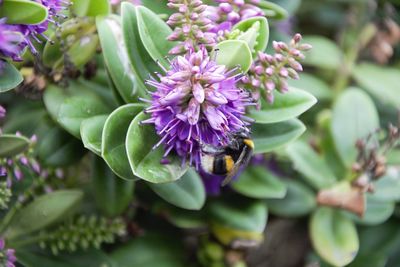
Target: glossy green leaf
column 381, row 82
column 354, row 117
column 141, row 61
column 156, row 45
column 188, row 192
column 299, row 200
column 9, row 77
column 116, row 58
column 273, row 10
column 75, row 109
column 234, row 53
column 377, row 211
column 91, row 132
column 145, row 161
column 57, row 148
column 255, row 33
column 12, row 145
column 268, row 137
column 286, row 106
column 112, row 194
column 325, row 53
column 82, row 50
column 113, row 149
column 187, row 219
column 315, row 86
column 150, row 250
column 334, row 236
column 258, row 182
column 33, row 12
column 311, row 165
column 43, row 211
column 91, row 8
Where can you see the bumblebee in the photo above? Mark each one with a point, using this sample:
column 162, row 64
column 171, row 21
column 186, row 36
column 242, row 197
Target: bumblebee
column 227, row 160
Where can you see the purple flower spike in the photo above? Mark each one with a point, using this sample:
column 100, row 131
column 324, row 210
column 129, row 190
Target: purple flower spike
column 2, row 111
column 196, row 103
column 7, row 256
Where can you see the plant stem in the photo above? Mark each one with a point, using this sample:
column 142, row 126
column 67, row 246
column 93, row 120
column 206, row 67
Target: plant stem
column 7, row 219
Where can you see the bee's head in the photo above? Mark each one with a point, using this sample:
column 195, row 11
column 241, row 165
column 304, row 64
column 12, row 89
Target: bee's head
column 242, row 133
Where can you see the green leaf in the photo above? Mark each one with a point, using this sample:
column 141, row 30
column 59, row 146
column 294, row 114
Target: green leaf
column 144, row 160
column 286, row 106
column 268, row 137
column 75, row 109
column 234, row 53
column 258, row 182
column 377, row 211
column 116, row 58
column 273, row 10
column 325, row 54
column 298, row 201
column 313, row 85
column 113, row 149
column 387, row 188
column 57, row 148
column 311, row 165
column 255, row 33
column 33, row 13
column 141, row 61
column 370, row 260
column 43, row 211
column 381, row 82
column 334, row 236
column 112, row 194
column 9, row 77
column 354, row 117
column 187, row 193
column 234, row 220
column 91, row 8
column 12, row 145
column 156, row 45
column 150, row 250
column 81, row 51
column 91, row 133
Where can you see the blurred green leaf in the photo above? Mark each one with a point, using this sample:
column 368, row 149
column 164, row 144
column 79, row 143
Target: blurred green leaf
column 387, row 188
column 298, row 201
column 286, row 106
column 377, row 211
column 311, row 165
column 354, row 117
column 43, row 211
column 313, row 85
column 268, row 137
column 156, row 45
column 381, row 82
column 33, row 12
column 145, row 161
column 255, row 33
column 91, row 8
column 150, row 250
column 273, row 10
column 325, row 53
column 234, row 53
column 116, row 58
column 258, row 182
column 91, row 133
column 113, row 148
column 12, row 145
column 9, row 77
column 112, row 194
column 187, row 193
column 334, row 236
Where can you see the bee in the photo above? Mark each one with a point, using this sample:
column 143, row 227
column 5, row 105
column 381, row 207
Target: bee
column 227, row 160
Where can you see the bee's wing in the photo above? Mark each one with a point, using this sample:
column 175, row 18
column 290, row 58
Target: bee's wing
column 235, row 169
